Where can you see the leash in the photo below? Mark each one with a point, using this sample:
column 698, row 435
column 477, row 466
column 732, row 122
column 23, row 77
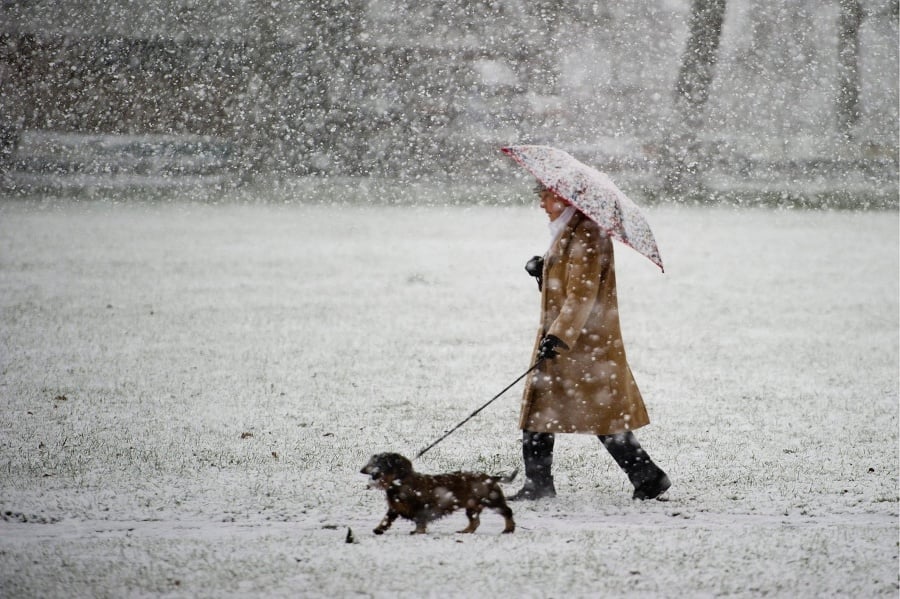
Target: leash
column 473, row 414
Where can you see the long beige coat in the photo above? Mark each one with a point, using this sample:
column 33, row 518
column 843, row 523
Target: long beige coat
column 590, row 388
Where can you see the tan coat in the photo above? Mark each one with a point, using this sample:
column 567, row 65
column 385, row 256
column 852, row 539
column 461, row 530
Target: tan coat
column 590, row 388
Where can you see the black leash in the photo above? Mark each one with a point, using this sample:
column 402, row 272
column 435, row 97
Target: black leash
column 472, row 415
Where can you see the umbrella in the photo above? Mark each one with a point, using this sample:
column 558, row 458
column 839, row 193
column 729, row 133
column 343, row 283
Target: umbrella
column 592, row 192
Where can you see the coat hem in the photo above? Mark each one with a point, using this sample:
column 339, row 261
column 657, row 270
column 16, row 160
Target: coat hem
column 554, row 430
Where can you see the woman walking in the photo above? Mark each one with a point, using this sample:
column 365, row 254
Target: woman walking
column 584, row 384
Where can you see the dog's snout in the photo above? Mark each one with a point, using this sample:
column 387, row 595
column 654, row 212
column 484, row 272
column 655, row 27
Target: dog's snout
column 373, row 471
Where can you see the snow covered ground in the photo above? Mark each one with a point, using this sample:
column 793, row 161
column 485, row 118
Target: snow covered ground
column 189, row 391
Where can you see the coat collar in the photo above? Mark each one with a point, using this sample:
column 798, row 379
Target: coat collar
column 562, row 241
column 559, row 225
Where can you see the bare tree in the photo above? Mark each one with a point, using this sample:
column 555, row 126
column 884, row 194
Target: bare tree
column 699, row 61
column 681, row 152
column 848, row 64
column 252, row 112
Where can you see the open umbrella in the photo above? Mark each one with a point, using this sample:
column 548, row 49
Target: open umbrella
column 592, row 192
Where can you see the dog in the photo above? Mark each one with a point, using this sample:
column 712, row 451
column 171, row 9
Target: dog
column 423, row 498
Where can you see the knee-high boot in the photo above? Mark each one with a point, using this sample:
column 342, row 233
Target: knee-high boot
column 537, row 452
column 648, row 479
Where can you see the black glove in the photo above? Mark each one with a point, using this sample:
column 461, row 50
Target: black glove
column 548, row 346
column 535, row 267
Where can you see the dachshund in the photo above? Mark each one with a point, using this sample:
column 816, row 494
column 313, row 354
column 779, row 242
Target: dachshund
column 423, row 498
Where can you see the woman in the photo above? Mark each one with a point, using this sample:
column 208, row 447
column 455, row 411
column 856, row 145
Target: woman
column 584, row 384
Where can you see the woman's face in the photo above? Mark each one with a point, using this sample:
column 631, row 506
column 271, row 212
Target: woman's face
column 552, row 204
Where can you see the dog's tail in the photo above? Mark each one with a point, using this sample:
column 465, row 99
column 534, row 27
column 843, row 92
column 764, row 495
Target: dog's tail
column 507, row 478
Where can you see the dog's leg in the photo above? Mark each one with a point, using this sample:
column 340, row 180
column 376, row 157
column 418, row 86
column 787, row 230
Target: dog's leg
column 508, row 516
column 386, row 523
column 497, row 502
column 420, row 527
column 472, row 514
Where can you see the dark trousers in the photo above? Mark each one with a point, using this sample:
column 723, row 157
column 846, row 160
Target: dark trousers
column 537, row 450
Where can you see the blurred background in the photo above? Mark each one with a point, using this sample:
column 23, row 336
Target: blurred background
column 708, row 100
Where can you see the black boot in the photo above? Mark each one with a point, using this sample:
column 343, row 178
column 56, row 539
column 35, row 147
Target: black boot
column 537, row 451
column 648, row 479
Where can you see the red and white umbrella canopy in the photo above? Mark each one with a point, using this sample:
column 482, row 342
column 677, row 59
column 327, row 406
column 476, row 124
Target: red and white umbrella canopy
column 592, row 192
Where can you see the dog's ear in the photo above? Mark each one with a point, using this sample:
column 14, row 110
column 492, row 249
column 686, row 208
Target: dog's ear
column 398, row 465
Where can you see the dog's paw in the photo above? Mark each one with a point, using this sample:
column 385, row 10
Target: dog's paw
column 378, row 531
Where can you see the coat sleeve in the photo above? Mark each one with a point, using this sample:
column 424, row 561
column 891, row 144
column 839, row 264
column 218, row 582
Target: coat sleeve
column 584, row 265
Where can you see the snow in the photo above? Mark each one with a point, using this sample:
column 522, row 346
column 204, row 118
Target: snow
column 190, row 389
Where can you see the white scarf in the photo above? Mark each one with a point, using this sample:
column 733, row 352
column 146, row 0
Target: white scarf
column 559, row 225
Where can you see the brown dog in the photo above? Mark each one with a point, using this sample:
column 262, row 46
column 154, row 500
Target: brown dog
column 423, row 498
